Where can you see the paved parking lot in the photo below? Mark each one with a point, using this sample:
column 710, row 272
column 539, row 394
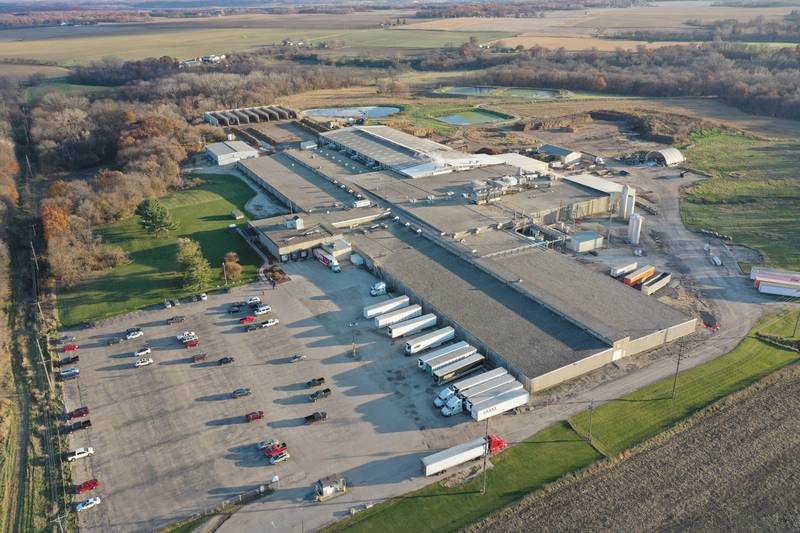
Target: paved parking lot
column 169, row 441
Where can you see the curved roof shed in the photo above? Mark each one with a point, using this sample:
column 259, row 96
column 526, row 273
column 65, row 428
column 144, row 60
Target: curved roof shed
column 668, row 157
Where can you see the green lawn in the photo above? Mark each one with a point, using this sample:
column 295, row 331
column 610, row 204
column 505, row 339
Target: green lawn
column 754, row 195
column 204, row 215
column 638, row 416
column 527, row 466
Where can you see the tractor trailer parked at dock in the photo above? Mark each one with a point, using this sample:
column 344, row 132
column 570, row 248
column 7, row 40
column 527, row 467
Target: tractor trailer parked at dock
column 465, row 384
column 371, row 311
column 460, row 454
column 461, row 368
column 429, row 340
column 398, row 315
column 410, row 327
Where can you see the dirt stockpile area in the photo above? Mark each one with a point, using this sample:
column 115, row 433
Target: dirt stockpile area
column 732, row 467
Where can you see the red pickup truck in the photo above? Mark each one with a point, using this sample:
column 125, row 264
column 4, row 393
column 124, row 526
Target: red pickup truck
column 247, row 319
column 77, row 413
column 255, row 415
column 275, row 449
column 194, row 343
column 70, row 347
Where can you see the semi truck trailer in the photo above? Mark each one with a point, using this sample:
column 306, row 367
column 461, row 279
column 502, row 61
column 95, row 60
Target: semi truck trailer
column 422, row 360
column 640, row 274
column 453, row 371
column 327, row 259
column 455, row 404
column 465, row 384
column 499, row 404
column 429, row 340
column 450, row 358
column 499, row 391
column 412, row 326
column 398, row 315
column 621, row 270
column 460, row 454
column 371, row 311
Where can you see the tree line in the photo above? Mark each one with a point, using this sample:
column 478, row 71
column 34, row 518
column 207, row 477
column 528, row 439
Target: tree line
column 530, row 8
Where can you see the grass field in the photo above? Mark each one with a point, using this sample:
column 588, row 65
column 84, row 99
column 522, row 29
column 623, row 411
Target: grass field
column 754, row 195
column 636, row 417
column 204, row 215
column 21, row 71
column 187, row 43
column 70, row 89
column 529, row 465
column 555, row 451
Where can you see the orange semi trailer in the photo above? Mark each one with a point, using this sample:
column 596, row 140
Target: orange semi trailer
column 639, row 275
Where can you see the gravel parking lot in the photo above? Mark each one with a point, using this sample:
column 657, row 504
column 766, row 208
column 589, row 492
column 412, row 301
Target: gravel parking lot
column 170, row 441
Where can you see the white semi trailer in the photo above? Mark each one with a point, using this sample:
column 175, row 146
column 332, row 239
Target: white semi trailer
column 465, row 384
column 461, row 368
column 398, row 315
column 499, row 404
column 422, row 360
column 450, row 358
column 414, row 325
column 429, row 340
column 460, row 454
column 621, row 270
column 455, row 404
column 371, row 311
column 469, row 403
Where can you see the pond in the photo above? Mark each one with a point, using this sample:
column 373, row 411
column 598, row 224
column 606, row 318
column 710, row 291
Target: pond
column 371, row 111
column 507, row 92
column 467, row 118
column 533, row 94
column 469, row 91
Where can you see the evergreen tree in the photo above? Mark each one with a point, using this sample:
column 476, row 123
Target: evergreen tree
column 154, row 217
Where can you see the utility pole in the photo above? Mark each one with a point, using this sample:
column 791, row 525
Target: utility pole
column 591, row 409
column 796, row 322
column 225, row 273
column 44, row 365
column 485, row 455
column 677, row 369
column 35, row 259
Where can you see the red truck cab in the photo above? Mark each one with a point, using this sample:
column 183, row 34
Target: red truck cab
column 255, row 415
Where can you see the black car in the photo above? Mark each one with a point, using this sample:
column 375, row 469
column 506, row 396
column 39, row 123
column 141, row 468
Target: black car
column 319, row 395
column 76, row 426
column 89, row 324
column 315, row 417
column 316, row 382
column 236, row 308
column 68, row 360
column 175, row 320
column 115, row 340
column 239, row 393
column 225, row 361
column 133, row 330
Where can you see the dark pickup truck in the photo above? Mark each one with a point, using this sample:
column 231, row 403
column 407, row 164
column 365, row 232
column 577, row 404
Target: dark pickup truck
column 68, row 360
column 316, row 382
column 76, row 426
column 319, row 395
column 175, row 320
column 319, row 416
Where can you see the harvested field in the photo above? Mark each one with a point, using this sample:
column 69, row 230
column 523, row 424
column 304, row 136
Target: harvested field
column 733, row 466
column 22, row 71
column 579, row 42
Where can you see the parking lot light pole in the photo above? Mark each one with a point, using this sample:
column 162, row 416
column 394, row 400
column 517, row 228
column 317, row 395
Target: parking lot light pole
column 485, row 455
column 352, row 326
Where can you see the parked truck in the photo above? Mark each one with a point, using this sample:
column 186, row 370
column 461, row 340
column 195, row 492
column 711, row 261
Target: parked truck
column 371, row 311
column 398, row 315
column 621, row 270
column 429, row 340
column 327, row 259
column 377, row 289
column 455, row 404
column 450, row 358
column 639, row 275
column 470, row 402
column 69, row 373
column 499, row 404
column 412, row 326
column 465, row 384
column 460, row 454
column 423, row 359
column 461, row 368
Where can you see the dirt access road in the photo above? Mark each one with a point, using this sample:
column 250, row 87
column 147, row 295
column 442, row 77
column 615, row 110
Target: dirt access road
column 733, row 467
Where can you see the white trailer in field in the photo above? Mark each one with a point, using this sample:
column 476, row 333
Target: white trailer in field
column 423, row 359
column 429, row 340
column 460, row 454
column 371, row 311
column 414, row 325
column 461, row 368
column 499, row 404
column 455, row 404
column 465, row 384
column 448, row 359
column 398, row 315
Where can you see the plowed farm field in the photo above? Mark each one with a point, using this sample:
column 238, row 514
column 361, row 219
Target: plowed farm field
column 732, row 467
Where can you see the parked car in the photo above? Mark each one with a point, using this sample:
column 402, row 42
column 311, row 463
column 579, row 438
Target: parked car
column 275, row 459
column 175, row 320
column 255, row 415
column 78, row 413
column 319, row 395
column 253, row 300
column 86, row 486
column 275, row 449
column 77, row 426
column 319, row 416
column 237, row 307
column 196, row 358
column 238, row 393
column 89, row 324
column 264, row 444
column 247, row 319
column 72, row 372
column 68, row 360
column 194, row 343
column 141, row 352
column 88, row 504
column 297, row 357
column 116, row 340
column 203, row 296
column 143, row 362
column 262, row 310
column 225, row 361
column 186, row 336
column 67, row 338
column 176, row 303
column 80, row 453
column 167, row 304
column 316, row 382
column 70, row 347
column 134, row 334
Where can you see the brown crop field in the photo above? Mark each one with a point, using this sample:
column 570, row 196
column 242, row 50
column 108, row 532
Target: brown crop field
column 21, row 71
column 579, row 42
column 731, row 467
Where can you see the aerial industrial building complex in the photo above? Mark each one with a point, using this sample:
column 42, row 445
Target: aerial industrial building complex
column 467, row 236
